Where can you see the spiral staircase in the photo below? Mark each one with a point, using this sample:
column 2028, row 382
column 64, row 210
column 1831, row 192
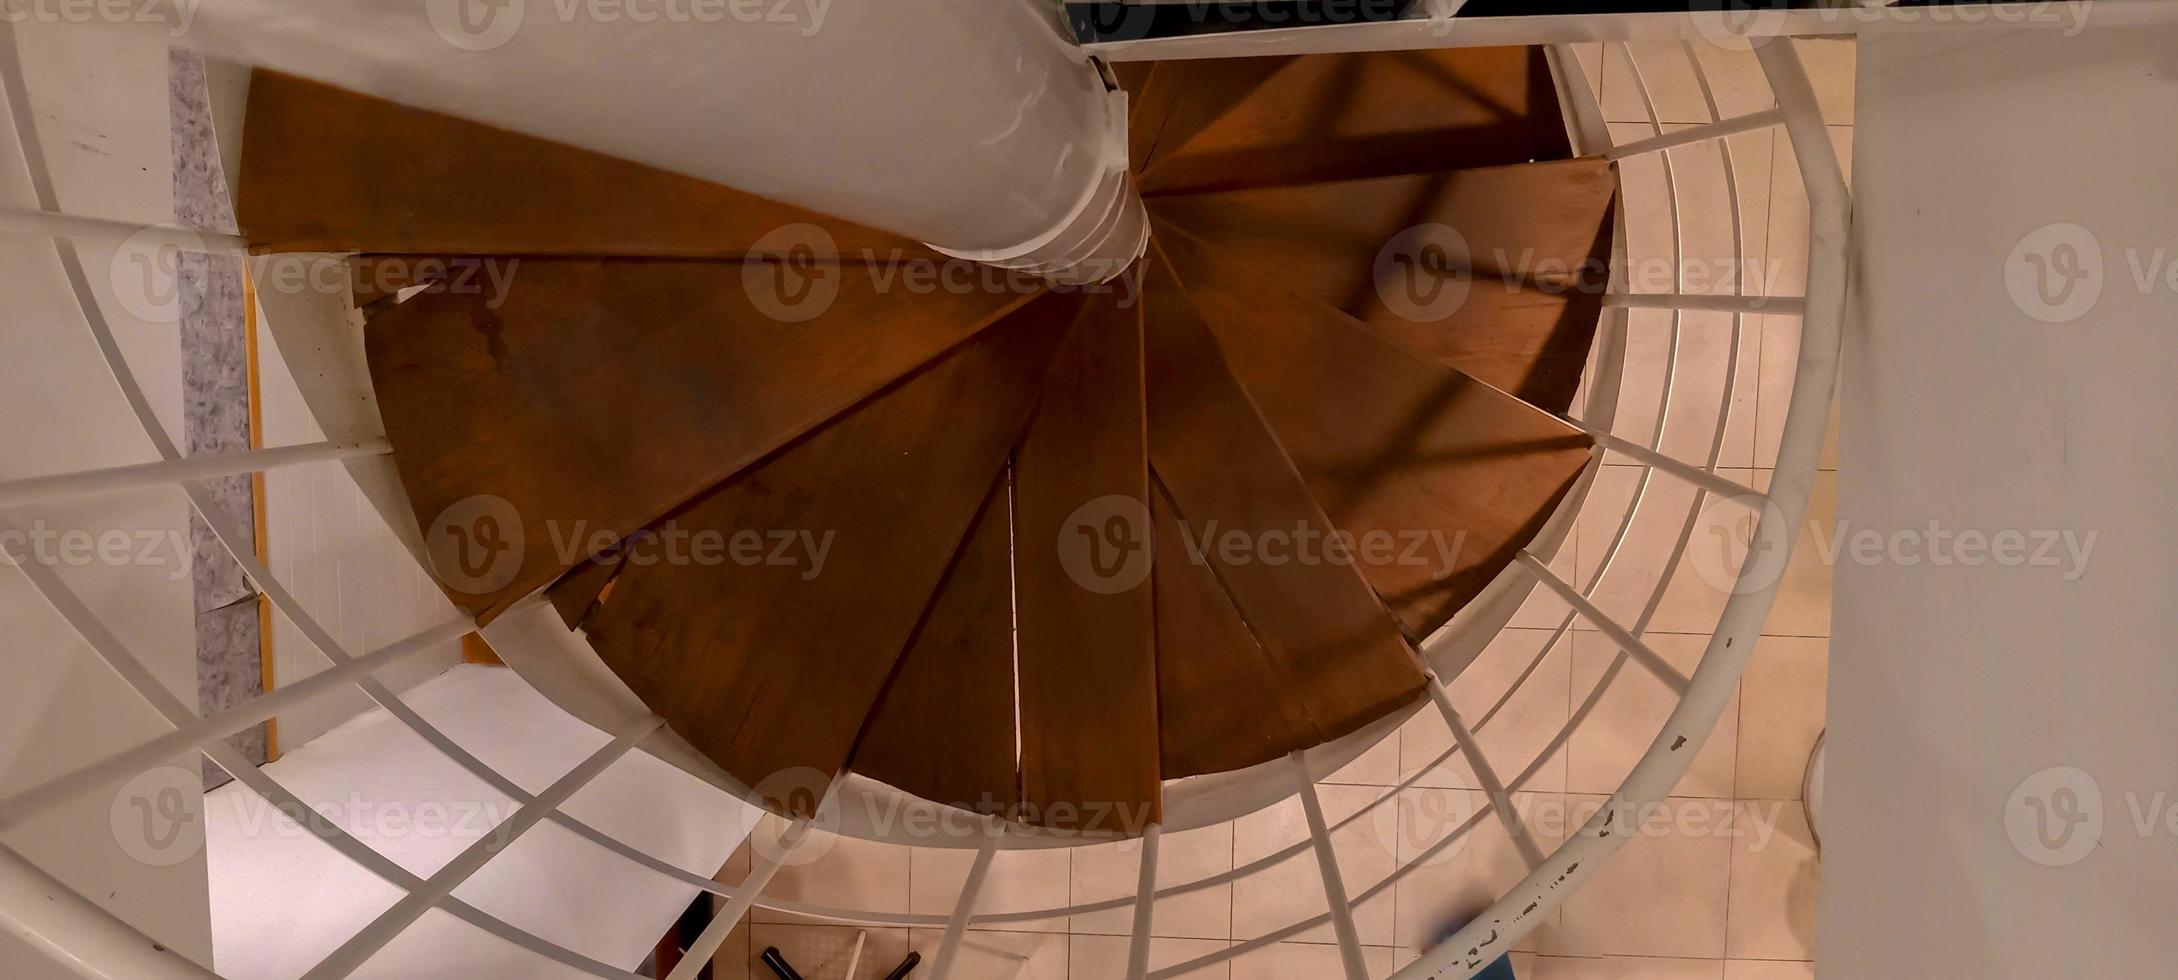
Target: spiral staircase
column 1071, row 593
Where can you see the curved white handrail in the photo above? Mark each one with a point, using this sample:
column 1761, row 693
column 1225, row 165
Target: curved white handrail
column 1519, row 911
column 69, row 918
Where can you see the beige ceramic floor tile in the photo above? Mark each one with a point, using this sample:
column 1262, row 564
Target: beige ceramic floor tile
column 1708, row 255
column 1292, row 891
column 1105, row 957
column 1698, row 367
column 1662, row 894
column 1735, row 81
column 734, row 958
column 823, row 951
column 1782, row 703
column 1513, row 738
column 1830, row 63
column 1379, row 766
column 1775, row 878
column 1480, row 865
column 1624, row 968
column 994, row 955
column 1523, row 962
column 1020, row 880
column 1543, row 609
column 848, row 873
column 1591, row 58
column 1735, row 78
column 1734, row 75
column 1768, row 970
column 1803, row 597
column 1105, row 871
column 1632, row 710
column 1699, row 583
column 1307, row 961
column 1780, row 342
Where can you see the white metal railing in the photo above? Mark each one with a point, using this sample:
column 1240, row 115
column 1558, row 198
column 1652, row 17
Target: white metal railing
column 194, row 469
column 36, row 907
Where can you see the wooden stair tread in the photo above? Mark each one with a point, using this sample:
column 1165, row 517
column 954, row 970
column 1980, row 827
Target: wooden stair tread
column 964, row 640
column 1439, row 478
column 1227, row 474
column 329, row 170
column 600, row 394
column 1223, row 702
column 773, row 669
column 1537, row 244
column 1220, row 124
column 1087, row 653
column 944, row 728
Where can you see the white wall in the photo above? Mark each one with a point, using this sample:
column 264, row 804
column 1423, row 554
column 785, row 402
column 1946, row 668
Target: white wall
column 1951, row 687
column 100, row 101
column 281, row 900
column 324, row 539
column 333, row 551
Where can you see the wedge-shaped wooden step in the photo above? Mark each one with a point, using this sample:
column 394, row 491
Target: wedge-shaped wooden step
column 328, row 170
column 1438, row 478
column 1250, row 514
column 944, row 729
column 1219, row 124
column 1089, row 755
column 595, row 396
column 1497, row 272
column 773, row 667
column 1223, row 702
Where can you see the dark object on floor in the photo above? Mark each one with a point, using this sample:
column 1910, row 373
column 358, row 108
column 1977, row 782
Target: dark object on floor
column 1500, row 970
column 779, row 965
column 785, row 970
column 906, row 967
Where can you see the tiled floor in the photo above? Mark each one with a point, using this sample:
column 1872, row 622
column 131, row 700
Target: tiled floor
column 1721, row 883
